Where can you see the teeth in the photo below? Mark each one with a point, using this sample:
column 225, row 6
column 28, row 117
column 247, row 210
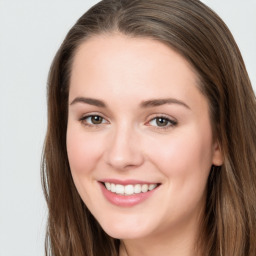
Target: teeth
column 137, row 189
column 113, row 188
column 129, row 189
column 152, row 186
column 108, row 185
column 144, row 188
column 119, row 189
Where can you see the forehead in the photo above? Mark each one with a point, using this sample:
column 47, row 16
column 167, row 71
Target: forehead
column 119, row 64
column 108, row 48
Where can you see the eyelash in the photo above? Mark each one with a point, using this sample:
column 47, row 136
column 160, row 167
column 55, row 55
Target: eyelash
column 171, row 123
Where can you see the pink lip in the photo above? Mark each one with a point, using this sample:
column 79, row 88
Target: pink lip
column 125, row 201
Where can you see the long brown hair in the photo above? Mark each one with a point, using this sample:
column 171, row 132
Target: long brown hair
column 202, row 38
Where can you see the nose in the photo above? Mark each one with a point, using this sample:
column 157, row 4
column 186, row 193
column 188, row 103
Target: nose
column 124, row 149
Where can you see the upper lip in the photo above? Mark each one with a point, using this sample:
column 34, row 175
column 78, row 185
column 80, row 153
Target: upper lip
column 127, row 182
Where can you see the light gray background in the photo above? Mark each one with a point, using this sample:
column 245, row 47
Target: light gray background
column 30, row 33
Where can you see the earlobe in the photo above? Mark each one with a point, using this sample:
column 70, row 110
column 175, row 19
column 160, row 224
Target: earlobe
column 217, row 157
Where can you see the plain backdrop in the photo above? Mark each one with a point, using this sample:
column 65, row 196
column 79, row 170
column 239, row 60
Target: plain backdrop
column 30, row 33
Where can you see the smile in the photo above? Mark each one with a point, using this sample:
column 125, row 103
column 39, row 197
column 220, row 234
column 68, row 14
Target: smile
column 129, row 189
column 127, row 193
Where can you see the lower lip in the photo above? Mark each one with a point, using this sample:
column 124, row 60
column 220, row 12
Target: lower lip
column 123, row 200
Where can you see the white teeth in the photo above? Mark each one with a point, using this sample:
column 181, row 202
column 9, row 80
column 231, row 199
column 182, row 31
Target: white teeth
column 137, row 189
column 108, row 185
column 113, row 188
column 119, row 189
column 144, row 188
column 151, row 186
column 129, row 189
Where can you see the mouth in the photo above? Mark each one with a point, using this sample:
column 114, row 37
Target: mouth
column 127, row 193
column 129, row 189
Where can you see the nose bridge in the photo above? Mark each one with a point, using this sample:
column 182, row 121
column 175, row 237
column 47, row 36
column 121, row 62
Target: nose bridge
column 124, row 147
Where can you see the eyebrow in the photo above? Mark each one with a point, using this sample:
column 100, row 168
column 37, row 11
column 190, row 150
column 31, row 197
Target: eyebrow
column 160, row 102
column 90, row 101
column 144, row 104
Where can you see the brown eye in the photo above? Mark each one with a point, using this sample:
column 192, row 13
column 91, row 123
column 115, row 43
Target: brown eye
column 93, row 120
column 96, row 119
column 162, row 122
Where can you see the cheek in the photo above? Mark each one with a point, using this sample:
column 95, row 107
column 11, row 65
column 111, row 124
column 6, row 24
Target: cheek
column 83, row 154
column 186, row 157
column 185, row 161
column 83, row 151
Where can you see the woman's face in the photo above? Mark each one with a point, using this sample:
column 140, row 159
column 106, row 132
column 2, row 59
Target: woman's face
column 139, row 137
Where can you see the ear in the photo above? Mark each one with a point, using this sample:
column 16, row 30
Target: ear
column 217, row 156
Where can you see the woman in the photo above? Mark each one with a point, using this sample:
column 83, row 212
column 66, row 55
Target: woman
column 151, row 135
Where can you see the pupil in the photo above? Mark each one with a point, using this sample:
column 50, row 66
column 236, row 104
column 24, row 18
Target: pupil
column 161, row 122
column 96, row 119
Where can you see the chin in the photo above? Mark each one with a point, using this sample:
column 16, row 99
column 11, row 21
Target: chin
column 124, row 234
column 126, row 229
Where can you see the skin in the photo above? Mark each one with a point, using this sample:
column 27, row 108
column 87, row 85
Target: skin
column 123, row 72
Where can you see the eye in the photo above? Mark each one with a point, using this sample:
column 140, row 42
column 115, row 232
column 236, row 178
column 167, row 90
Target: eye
column 162, row 122
column 93, row 120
